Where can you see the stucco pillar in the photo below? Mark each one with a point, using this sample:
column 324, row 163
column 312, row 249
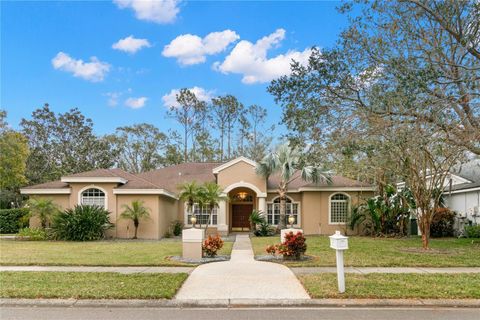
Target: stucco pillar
column 222, row 226
column 262, row 204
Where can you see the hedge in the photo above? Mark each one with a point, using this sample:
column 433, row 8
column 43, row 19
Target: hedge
column 10, row 219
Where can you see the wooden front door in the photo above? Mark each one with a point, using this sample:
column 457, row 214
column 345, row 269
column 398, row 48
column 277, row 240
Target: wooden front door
column 240, row 215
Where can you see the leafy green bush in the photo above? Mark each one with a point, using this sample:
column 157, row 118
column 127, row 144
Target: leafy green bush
column 264, row 230
column 82, row 223
column 177, row 228
column 472, row 231
column 442, row 223
column 34, row 234
column 11, row 220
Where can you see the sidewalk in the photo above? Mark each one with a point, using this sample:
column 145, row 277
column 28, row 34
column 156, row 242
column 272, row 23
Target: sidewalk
column 366, row 270
column 297, row 270
column 124, row 270
column 242, row 278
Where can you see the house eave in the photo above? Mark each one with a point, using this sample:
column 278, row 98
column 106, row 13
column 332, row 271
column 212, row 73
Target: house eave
column 146, row 192
column 94, row 180
column 46, row 191
column 307, row 189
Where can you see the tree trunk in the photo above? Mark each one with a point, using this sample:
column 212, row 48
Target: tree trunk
column 221, row 145
column 425, row 229
column 281, row 223
column 185, row 146
column 135, row 223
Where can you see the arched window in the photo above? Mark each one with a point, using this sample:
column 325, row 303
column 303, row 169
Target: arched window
column 93, row 197
column 339, row 204
column 273, row 211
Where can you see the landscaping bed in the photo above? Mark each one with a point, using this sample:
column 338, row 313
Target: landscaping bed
column 95, row 253
column 384, row 252
column 394, row 286
column 85, row 285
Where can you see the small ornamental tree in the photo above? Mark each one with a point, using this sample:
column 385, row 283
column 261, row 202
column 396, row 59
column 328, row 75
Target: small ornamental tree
column 136, row 212
column 42, row 208
column 286, row 161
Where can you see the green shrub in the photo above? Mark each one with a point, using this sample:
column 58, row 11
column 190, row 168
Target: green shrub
column 34, row 234
column 82, row 223
column 264, row 230
column 442, row 223
column 472, row 231
column 177, row 228
column 11, row 220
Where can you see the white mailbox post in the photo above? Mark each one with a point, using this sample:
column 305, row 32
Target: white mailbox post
column 339, row 243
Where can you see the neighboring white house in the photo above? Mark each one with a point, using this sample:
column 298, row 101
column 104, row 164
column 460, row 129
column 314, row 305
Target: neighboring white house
column 462, row 194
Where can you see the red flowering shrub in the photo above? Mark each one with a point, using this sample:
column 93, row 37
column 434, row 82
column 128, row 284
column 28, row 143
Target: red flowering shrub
column 271, row 249
column 211, row 245
column 293, row 247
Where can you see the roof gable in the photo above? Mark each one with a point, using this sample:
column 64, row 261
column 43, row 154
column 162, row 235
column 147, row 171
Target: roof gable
column 233, row 162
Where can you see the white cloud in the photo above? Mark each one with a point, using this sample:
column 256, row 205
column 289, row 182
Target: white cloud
column 251, row 60
column 131, row 44
column 113, row 98
column 94, row 71
column 170, row 99
column 158, row 11
column 136, row 103
column 190, row 49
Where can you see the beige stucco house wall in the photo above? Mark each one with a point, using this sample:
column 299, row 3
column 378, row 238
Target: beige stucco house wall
column 158, row 190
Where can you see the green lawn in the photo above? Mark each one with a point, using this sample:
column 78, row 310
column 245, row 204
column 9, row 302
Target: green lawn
column 98, row 253
column 84, row 285
column 386, row 252
column 395, row 286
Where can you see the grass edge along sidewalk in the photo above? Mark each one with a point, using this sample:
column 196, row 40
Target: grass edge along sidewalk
column 384, row 252
column 87, row 285
column 394, row 286
column 95, row 253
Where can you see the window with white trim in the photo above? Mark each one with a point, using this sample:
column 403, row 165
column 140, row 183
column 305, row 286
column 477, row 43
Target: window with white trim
column 339, row 204
column 273, row 211
column 202, row 213
column 93, row 197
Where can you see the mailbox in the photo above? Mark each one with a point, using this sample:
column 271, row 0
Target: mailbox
column 338, row 242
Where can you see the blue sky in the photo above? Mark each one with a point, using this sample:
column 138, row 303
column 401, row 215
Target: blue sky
column 42, row 44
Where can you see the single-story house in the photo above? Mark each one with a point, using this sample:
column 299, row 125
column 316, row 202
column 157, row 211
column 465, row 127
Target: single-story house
column 462, row 192
column 318, row 208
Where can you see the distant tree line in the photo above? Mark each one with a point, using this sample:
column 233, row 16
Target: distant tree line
column 49, row 145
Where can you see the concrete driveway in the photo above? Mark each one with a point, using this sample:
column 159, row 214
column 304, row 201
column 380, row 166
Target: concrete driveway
column 242, row 278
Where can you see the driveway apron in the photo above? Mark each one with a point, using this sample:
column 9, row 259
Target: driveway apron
column 242, row 278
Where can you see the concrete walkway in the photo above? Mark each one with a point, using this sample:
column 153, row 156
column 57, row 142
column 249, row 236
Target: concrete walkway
column 242, row 278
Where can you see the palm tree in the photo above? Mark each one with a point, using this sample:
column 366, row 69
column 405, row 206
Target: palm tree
column 42, row 208
column 135, row 212
column 190, row 194
column 285, row 161
column 211, row 194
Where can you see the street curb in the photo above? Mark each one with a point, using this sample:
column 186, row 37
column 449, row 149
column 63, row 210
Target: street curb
column 243, row 303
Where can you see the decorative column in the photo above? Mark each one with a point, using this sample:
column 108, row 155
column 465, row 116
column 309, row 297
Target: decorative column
column 222, row 226
column 262, row 204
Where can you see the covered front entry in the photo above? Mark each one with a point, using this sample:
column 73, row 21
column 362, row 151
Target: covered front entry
column 242, row 203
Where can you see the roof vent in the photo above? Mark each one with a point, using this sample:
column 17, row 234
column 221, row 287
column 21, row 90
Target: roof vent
column 179, row 173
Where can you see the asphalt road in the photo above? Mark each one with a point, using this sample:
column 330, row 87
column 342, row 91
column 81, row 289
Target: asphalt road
column 74, row 313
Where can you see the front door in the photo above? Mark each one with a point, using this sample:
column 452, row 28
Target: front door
column 240, row 215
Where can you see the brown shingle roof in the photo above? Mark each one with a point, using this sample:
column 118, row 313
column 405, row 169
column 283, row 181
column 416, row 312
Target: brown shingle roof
column 337, row 181
column 49, row 185
column 170, row 178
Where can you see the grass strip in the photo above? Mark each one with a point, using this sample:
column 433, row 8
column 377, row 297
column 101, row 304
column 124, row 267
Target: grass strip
column 95, row 253
column 385, row 252
column 394, row 286
column 85, row 285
